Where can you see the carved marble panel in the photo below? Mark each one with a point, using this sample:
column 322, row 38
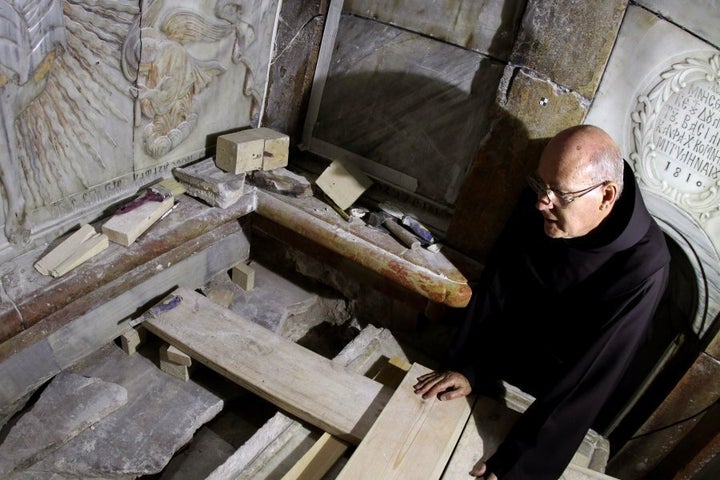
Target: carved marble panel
column 660, row 98
column 487, row 27
column 409, row 103
column 100, row 98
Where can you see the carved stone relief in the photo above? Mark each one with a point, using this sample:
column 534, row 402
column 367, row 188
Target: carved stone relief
column 102, row 97
column 676, row 128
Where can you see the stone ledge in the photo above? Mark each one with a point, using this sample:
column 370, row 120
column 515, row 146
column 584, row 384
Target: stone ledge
column 431, row 275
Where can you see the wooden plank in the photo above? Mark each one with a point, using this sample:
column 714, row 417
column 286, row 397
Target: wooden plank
column 489, row 423
column 297, row 380
column 412, row 437
column 317, row 461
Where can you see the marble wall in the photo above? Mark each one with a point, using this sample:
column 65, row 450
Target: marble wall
column 100, row 98
column 660, row 97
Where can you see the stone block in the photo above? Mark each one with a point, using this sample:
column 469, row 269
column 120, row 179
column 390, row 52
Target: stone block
column 275, row 149
column 211, row 184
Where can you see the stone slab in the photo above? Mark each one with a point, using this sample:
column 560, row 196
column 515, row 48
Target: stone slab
column 161, row 415
column 70, row 404
column 193, row 263
column 211, row 184
column 382, row 100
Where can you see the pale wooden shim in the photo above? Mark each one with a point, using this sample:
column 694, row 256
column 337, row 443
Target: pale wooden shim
column 177, row 371
column 343, row 183
column 292, row 377
column 239, row 152
column 412, row 437
column 320, row 458
column 132, row 339
column 125, row 228
column 276, row 147
column 74, row 250
column 174, row 355
column 244, row 276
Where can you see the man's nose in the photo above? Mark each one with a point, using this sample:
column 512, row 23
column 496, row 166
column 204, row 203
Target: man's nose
column 543, row 202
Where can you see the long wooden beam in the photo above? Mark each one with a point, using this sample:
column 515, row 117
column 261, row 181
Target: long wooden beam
column 292, row 377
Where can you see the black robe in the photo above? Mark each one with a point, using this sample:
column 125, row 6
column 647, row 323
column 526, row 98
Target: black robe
column 562, row 320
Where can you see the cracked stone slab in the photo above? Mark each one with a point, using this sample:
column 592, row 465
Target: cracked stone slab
column 161, row 415
column 70, row 404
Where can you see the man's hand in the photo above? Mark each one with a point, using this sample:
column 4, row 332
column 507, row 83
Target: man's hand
column 445, row 385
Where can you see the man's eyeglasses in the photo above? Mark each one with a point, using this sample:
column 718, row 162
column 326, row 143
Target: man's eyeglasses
column 563, row 198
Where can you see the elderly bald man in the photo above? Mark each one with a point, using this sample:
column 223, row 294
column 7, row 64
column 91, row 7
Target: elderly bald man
column 564, row 303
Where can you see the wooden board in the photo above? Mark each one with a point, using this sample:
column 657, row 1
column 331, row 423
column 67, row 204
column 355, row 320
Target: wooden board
column 412, row 438
column 317, row 461
column 127, row 227
column 297, row 380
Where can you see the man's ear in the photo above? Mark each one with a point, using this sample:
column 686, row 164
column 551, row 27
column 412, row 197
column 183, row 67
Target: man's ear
column 609, row 195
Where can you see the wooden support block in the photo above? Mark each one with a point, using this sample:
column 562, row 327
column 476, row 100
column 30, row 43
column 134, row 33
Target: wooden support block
column 304, row 383
column 74, row 250
column 177, row 371
column 132, row 339
column 412, row 437
column 174, row 355
column 125, row 228
column 244, row 276
column 276, row 147
column 343, row 183
column 239, row 152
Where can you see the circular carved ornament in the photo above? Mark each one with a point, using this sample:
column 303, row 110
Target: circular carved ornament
column 676, row 136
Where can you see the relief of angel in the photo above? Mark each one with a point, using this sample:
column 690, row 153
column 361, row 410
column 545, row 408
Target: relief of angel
column 167, row 75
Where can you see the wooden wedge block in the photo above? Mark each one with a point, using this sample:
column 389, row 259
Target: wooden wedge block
column 125, row 228
column 74, row 250
column 412, row 437
column 343, row 183
column 239, row 152
column 174, row 355
column 296, row 379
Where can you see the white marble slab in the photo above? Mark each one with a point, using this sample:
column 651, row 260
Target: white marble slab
column 698, row 16
column 660, row 99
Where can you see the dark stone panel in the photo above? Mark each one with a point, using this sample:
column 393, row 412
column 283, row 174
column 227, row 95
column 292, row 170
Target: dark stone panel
column 569, row 41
